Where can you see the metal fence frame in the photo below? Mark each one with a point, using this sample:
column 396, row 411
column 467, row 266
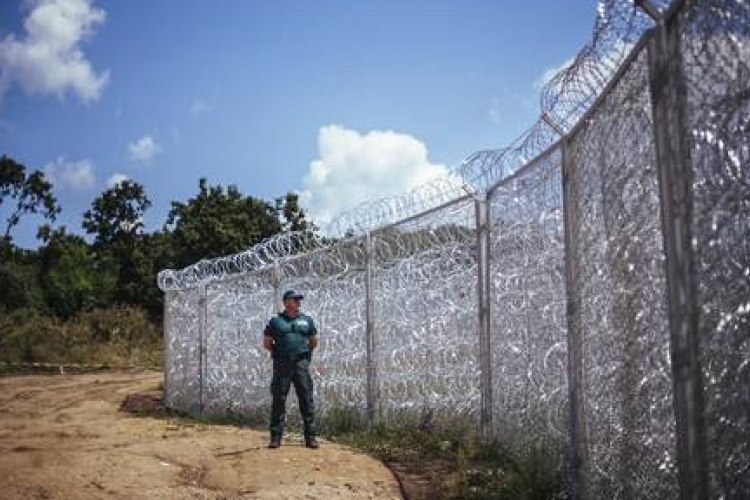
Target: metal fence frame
column 676, row 185
column 667, row 90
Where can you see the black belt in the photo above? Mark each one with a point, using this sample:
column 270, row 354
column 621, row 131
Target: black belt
column 295, row 357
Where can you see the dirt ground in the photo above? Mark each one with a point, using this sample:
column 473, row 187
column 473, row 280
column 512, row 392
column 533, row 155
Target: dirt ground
column 65, row 437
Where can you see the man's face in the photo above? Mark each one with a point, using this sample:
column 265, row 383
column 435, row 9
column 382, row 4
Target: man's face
column 292, row 304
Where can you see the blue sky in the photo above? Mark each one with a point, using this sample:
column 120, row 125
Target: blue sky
column 342, row 100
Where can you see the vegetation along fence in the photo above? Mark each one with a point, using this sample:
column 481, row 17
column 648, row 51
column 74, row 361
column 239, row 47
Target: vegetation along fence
column 587, row 287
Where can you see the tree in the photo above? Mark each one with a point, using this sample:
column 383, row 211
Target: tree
column 157, row 254
column 116, row 220
column 24, row 194
column 19, row 287
column 72, row 278
column 117, row 214
column 218, row 222
column 295, row 218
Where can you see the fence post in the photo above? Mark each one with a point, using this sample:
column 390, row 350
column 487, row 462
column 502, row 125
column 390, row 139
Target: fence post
column 482, row 211
column 166, row 354
column 668, row 99
column 370, row 335
column 202, row 322
column 578, row 433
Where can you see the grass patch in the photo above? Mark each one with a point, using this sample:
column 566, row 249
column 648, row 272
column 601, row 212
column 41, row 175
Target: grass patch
column 443, row 454
column 436, row 458
column 450, row 458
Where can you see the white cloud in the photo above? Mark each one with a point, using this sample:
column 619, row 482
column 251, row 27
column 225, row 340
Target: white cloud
column 115, row 179
column 68, row 174
column 598, row 69
column 550, row 73
column 144, row 149
column 48, row 58
column 199, row 108
column 355, row 167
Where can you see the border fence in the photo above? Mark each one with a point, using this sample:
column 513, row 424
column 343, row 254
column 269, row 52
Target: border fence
column 586, row 287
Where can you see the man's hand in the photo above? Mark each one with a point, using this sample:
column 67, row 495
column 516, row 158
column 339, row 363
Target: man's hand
column 313, row 342
column 268, row 342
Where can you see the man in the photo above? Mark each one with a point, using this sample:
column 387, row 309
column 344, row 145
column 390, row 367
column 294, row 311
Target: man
column 291, row 336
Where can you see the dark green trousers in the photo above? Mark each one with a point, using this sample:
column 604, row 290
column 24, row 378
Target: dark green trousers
column 286, row 372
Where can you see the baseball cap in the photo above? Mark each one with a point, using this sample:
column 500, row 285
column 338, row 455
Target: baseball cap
column 291, row 293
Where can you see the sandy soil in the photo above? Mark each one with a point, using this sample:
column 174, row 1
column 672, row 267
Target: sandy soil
column 65, row 437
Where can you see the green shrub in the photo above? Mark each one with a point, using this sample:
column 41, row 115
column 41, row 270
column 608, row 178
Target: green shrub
column 28, row 337
column 19, row 287
column 115, row 336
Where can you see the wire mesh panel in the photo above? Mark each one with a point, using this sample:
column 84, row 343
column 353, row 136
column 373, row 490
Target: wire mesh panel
column 426, row 314
column 528, row 307
column 332, row 281
column 715, row 43
column 619, row 288
column 408, row 292
column 237, row 369
column 183, row 349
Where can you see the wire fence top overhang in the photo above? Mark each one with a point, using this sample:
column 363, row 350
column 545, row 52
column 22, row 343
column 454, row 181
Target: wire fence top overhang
column 566, row 100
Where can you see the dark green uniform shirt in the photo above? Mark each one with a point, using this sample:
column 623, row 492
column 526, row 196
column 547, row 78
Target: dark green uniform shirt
column 291, row 336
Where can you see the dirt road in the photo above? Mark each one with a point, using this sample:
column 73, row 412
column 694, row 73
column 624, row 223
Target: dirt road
column 64, row 437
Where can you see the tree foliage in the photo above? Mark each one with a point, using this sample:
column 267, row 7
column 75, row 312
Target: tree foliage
column 218, row 221
column 22, row 194
column 72, row 276
column 295, row 218
column 19, row 286
column 116, row 221
column 116, row 215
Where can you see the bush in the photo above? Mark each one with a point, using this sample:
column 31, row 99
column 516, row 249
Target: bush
column 26, row 337
column 19, row 288
column 114, row 336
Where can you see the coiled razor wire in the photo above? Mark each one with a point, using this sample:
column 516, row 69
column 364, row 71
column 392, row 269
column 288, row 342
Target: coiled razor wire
column 424, row 267
column 716, row 60
column 564, row 99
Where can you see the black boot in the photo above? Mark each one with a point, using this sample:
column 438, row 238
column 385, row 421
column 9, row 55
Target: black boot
column 275, row 442
column 311, row 442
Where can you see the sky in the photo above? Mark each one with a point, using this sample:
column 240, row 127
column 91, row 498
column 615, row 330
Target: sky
column 338, row 100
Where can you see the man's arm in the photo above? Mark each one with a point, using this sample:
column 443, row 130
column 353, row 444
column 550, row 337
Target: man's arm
column 268, row 342
column 268, row 337
column 313, row 339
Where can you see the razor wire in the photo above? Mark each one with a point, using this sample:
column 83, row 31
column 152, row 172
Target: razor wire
column 182, row 385
column 595, row 135
column 620, row 291
column 715, row 44
column 529, row 353
column 235, row 372
column 425, row 273
column 563, row 101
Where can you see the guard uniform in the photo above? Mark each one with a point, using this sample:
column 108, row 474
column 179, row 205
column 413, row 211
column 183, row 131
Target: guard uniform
column 291, row 365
